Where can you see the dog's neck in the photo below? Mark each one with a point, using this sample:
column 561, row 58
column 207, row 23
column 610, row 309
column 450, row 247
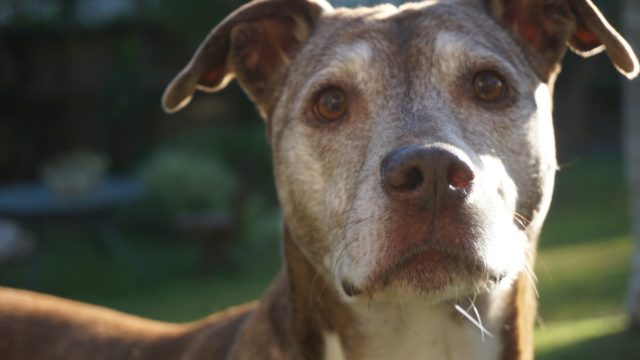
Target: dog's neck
column 432, row 331
column 325, row 327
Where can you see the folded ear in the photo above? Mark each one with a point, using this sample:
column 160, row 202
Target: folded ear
column 545, row 28
column 253, row 44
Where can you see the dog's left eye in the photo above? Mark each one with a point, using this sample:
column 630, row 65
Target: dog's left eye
column 331, row 105
column 488, row 86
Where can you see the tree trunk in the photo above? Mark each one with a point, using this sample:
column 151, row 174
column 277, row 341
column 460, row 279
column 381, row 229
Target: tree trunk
column 631, row 138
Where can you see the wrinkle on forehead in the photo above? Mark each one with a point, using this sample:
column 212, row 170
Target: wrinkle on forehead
column 352, row 59
column 457, row 48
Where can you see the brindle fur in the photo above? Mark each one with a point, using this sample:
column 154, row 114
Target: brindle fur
column 406, row 72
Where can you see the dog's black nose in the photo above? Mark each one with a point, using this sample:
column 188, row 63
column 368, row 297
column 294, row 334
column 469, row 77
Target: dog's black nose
column 425, row 172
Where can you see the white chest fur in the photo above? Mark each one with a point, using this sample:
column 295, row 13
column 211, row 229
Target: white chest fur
column 425, row 332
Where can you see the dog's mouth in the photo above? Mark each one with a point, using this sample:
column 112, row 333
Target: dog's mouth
column 428, row 270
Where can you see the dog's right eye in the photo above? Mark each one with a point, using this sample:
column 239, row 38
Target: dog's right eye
column 488, row 86
column 331, row 105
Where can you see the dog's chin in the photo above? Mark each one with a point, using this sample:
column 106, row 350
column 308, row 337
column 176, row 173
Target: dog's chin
column 430, row 275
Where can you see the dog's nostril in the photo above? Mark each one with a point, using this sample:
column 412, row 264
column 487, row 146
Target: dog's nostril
column 406, row 180
column 350, row 289
column 460, row 175
column 413, row 179
column 399, row 171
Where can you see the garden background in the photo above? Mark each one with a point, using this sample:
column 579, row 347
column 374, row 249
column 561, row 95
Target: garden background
column 85, row 77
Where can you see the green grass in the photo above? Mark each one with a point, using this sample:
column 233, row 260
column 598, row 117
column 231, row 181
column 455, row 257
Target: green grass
column 593, row 274
column 595, row 338
column 171, row 288
column 583, row 267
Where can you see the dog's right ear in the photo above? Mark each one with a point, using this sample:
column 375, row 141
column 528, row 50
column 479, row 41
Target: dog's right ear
column 253, row 44
column 544, row 28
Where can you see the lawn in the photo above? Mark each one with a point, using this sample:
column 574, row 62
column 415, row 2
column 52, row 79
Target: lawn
column 583, row 266
column 582, row 269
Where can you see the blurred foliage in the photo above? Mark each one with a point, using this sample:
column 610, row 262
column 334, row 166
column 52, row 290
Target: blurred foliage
column 67, row 83
column 193, row 19
column 580, row 282
column 180, row 181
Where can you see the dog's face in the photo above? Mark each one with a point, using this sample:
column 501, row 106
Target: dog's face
column 411, row 151
column 413, row 148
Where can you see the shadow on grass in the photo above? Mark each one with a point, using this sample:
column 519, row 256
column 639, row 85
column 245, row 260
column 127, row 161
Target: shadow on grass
column 624, row 345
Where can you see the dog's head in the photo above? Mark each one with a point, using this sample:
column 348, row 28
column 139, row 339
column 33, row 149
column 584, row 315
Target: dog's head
column 413, row 147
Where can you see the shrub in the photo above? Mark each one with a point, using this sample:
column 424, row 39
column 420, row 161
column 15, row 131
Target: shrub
column 180, row 181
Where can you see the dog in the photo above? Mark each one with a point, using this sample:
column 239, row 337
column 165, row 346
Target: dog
column 414, row 161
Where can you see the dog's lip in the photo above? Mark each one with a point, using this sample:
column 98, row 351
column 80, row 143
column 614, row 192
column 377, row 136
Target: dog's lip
column 451, row 260
column 409, row 257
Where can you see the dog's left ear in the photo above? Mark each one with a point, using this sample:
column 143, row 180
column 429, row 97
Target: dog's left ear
column 546, row 27
column 253, row 44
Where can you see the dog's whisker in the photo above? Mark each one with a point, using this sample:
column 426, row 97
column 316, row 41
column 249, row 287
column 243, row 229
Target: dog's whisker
column 345, row 244
column 475, row 322
column 313, row 282
column 477, row 313
column 324, row 287
column 533, row 279
column 521, row 220
column 340, row 255
column 334, row 266
column 531, row 272
column 405, row 320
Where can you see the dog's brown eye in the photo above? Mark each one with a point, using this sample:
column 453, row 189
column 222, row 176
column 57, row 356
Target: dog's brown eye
column 488, row 86
column 331, row 104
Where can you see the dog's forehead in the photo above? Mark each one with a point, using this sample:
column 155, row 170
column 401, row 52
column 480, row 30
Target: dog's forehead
column 404, row 37
column 407, row 26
